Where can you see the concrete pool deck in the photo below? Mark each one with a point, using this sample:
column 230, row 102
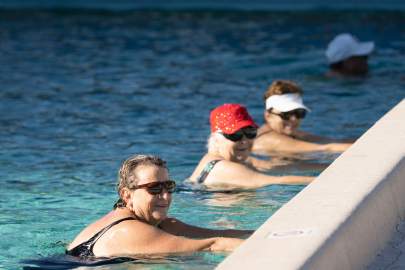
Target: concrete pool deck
column 345, row 217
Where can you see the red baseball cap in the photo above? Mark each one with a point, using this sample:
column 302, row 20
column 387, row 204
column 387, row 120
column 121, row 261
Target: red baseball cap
column 229, row 118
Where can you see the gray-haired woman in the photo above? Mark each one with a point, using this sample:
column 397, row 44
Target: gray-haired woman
column 139, row 223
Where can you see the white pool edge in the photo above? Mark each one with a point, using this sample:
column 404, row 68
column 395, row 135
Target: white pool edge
column 343, row 218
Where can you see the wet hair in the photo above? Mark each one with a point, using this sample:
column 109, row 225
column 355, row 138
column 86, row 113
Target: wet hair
column 127, row 173
column 280, row 87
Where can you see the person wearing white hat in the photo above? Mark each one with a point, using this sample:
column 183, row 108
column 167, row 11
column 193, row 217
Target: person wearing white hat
column 284, row 110
column 346, row 55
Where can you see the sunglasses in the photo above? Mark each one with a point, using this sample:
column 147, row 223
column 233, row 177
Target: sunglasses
column 249, row 132
column 155, row 188
column 298, row 113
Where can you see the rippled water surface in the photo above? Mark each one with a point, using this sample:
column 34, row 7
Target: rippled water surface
column 81, row 91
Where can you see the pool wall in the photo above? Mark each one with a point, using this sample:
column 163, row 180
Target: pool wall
column 345, row 216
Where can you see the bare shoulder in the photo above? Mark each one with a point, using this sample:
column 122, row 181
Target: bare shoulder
column 225, row 165
column 227, row 172
column 128, row 232
column 90, row 231
column 269, row 142
column 131, row 235
column 97, row 226
column 132, row 228
column 278, row 140
column 201, row 165
column 271, row 136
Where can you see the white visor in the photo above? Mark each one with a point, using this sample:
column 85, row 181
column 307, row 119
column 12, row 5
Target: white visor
column 285, row 103
column 344, row 46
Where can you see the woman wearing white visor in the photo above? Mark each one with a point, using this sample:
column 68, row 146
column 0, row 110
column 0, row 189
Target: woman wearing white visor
column 283, row 114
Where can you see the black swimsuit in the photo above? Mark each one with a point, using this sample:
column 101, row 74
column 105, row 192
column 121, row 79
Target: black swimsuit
column 207, row 169
column 85, row 249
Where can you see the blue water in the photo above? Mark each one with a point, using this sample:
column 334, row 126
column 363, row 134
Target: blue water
column 251, row 5
column 81, row 91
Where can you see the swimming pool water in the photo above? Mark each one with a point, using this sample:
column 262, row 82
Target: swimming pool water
column 83, row 90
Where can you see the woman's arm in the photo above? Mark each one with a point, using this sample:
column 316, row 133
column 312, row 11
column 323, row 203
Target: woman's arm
column 302, row 135
column 176, row 227
column 266, row 165
column 228, row 173
column 274, row 142
column 141, row 238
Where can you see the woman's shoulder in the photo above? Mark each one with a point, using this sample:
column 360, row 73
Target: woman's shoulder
column 127, row 227
column 268, row 139
column 274, row 142
column 91, row 229
column 225, row 172
column 205, row 161
column 127, row 235
column 267, row 135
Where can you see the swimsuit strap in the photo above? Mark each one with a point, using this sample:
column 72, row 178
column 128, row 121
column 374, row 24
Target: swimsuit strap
column 97, row 236
column 207, row 169
column 85, row 249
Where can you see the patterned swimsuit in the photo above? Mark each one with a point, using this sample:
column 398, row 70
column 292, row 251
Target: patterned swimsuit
column 207, row 169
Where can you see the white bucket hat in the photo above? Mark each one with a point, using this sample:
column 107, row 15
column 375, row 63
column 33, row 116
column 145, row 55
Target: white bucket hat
column 346, row 45
column 285, row 102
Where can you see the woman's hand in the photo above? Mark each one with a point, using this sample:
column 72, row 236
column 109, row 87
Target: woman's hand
column 225, row 244
column 337, row 147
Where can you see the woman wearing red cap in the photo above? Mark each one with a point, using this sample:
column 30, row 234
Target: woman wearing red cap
column 227, row 162
column 283, row 114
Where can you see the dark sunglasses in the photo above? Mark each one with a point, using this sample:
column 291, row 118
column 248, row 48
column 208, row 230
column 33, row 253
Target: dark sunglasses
column 249, row 132
column 298, row 113
column 155, row 188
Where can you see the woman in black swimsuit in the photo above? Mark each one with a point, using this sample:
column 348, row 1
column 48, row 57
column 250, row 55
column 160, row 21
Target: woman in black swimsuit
column 139, row 223
column 227, row 163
